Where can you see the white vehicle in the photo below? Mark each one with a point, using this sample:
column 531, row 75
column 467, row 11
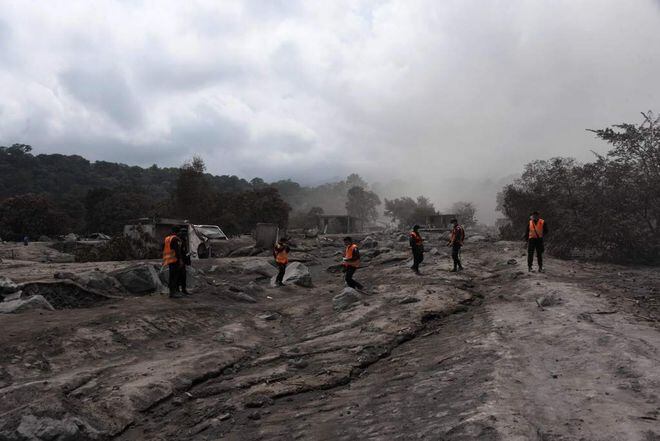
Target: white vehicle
column 208, row 235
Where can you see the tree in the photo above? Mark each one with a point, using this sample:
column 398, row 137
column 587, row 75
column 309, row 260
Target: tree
column 191, row 196
column 465, row 212
column 362, row 203
column 108, row 211
column 609, row 208
column 406, row 211
column 32, row 215
column 240, row 212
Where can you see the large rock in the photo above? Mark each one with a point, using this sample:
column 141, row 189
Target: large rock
column 21, row 305
column 44, row 428
column 368, row 243
column 259, row 267
column 244, row 251
column 297, row 274
column 7, row 286
column 347, row 298
column 140, row 279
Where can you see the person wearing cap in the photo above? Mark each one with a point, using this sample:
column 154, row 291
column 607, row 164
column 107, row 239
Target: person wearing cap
column 456, row 239
column 537, row 229
column 173, row 259
column 281, row 252
column 417, row 247
column 351, row 262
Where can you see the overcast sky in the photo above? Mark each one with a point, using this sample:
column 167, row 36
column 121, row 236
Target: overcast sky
column 449, row 96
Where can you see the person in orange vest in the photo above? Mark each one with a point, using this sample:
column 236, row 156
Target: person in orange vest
column 456, row 239
column 351, row 262
column 417, row 246
column 173, row 259
column 537, row 228
column 281, row 252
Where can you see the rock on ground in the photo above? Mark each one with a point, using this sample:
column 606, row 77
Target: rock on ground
column 140, row 279
column 7, row 286
column 67, row 429
column 297, row 274
column 21, row 305
column 259, row 267
column 347, row 298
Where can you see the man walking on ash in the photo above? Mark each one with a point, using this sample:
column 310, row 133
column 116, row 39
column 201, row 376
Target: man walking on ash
column 351, row 262
column 281, row 253
column 417, row 247
column 456, row 239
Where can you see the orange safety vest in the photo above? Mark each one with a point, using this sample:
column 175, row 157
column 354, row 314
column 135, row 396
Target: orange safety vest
column 457, row 235
column 348, row 254
column 536, row 230
column 281, row 255
column 417, row 237
column 169, row 256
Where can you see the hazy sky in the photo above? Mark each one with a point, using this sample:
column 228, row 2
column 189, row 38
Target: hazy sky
column 449, row 96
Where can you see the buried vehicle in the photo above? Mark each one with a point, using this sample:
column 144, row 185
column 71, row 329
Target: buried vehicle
column 199, row 238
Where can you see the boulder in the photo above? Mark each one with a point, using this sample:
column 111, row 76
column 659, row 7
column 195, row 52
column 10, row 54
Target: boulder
column 368, row 243
column 71, row 237
column 44, row 428
column 139, row 279
column 258, row 266
column 21, row 305
column 297, row 274
column 347, row 298
column 7, row 286
column 43, row 238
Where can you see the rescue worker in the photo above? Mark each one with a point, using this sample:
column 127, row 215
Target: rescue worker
column 173, row 258
column 281, row 252
column 182, row 279
column 456, row 239
column 536, row 230
column 351, row 262
column 417, row 246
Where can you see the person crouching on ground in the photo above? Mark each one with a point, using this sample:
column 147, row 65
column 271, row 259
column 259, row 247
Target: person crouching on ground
column 417, row 246
column 351, row 262
column 456, row 238
column 281, row 252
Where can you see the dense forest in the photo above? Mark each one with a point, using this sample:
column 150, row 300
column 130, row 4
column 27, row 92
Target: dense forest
column 56, row 194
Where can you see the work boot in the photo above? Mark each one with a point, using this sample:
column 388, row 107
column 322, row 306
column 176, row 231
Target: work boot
column 176, row 295
column 529, row 269
column 185, row 292
column 540, row 269
column 453, row 270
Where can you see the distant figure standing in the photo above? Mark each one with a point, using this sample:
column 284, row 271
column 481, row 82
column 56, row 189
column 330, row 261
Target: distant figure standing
column 417, row 246
column 185, row 253
column 26, row 240
column 351, row 262
column 281, row 252
column 537, row 228
column 173, row 258
column 456, row 239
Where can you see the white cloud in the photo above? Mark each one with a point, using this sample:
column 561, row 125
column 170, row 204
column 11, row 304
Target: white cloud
column 418, row 90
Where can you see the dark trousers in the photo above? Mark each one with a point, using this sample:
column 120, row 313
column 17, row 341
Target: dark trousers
column 280, row 274
column 456, row 256
column 418, row 257
column 182, row 279
column 174, row 277
column 350, row 270
column 535, row 245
